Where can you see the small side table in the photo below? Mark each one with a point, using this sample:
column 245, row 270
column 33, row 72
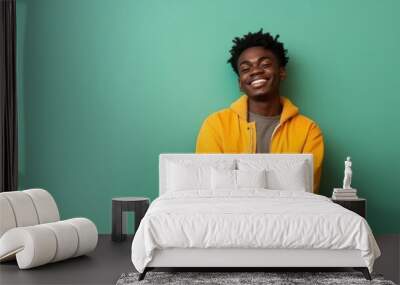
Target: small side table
column 138, row 205
column 358, row 206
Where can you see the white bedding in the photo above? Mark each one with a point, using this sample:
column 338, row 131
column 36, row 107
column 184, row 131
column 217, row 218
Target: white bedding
column 251, row 218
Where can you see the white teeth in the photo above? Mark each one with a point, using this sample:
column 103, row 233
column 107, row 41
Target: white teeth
column 258, row 82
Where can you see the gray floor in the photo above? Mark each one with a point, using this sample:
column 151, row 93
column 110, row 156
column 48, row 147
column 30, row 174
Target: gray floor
column 110, row 260
column 389, row 262
column 103, row 266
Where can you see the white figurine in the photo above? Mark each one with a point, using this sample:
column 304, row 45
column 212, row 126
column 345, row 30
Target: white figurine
column 347, row 174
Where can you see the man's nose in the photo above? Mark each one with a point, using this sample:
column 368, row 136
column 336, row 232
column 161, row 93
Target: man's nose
column 256, row 70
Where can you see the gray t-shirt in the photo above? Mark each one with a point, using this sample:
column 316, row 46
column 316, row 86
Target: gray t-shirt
column 265, row 126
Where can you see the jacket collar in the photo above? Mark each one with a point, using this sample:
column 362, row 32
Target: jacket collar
column 289, row 110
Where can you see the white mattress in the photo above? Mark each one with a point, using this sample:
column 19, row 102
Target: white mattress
column 252, row 218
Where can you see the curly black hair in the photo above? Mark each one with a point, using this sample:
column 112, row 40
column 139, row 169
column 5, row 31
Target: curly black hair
column 259, row 38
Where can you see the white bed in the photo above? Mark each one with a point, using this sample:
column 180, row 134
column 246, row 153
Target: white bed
column 213, row 224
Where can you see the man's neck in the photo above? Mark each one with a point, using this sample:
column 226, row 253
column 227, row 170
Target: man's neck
column 269, row 108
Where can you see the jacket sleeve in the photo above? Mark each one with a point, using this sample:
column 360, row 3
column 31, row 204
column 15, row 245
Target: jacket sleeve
column 315, row 145
column 208, row 140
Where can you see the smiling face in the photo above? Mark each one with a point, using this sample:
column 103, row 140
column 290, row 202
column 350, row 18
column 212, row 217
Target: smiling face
column 260, row 73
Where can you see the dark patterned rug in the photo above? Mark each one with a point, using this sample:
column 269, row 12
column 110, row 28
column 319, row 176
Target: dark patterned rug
column 243, row 278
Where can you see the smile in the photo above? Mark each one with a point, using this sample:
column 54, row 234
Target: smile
column 258, row 82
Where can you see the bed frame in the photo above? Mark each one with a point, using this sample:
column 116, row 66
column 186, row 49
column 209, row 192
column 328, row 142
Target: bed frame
column 246, row 258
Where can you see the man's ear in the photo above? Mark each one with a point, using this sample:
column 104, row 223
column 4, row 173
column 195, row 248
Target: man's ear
column 282, row 73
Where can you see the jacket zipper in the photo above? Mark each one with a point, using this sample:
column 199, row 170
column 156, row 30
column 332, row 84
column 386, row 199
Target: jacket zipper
column 251, row 139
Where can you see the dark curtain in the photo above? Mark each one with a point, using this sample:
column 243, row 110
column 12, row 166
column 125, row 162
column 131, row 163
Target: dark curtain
column 8, row 98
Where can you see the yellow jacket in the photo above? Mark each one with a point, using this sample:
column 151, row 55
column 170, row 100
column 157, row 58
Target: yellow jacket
column 228, row 131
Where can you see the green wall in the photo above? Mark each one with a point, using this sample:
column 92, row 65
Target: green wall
column 105, row 86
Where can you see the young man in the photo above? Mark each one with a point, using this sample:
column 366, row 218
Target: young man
column 261, row 121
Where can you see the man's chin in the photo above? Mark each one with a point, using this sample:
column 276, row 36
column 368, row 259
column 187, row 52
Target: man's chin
column 261, row 97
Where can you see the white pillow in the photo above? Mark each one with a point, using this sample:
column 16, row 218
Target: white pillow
column 193, row 174
column 290, row 179
column 251, row 178
column 223, row 179
column 281, row 174
column 237, row 179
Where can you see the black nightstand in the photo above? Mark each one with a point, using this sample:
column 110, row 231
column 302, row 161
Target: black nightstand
column 138, row 205
column 358, row 206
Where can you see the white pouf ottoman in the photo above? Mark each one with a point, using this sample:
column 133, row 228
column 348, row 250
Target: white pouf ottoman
column 31, row 232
